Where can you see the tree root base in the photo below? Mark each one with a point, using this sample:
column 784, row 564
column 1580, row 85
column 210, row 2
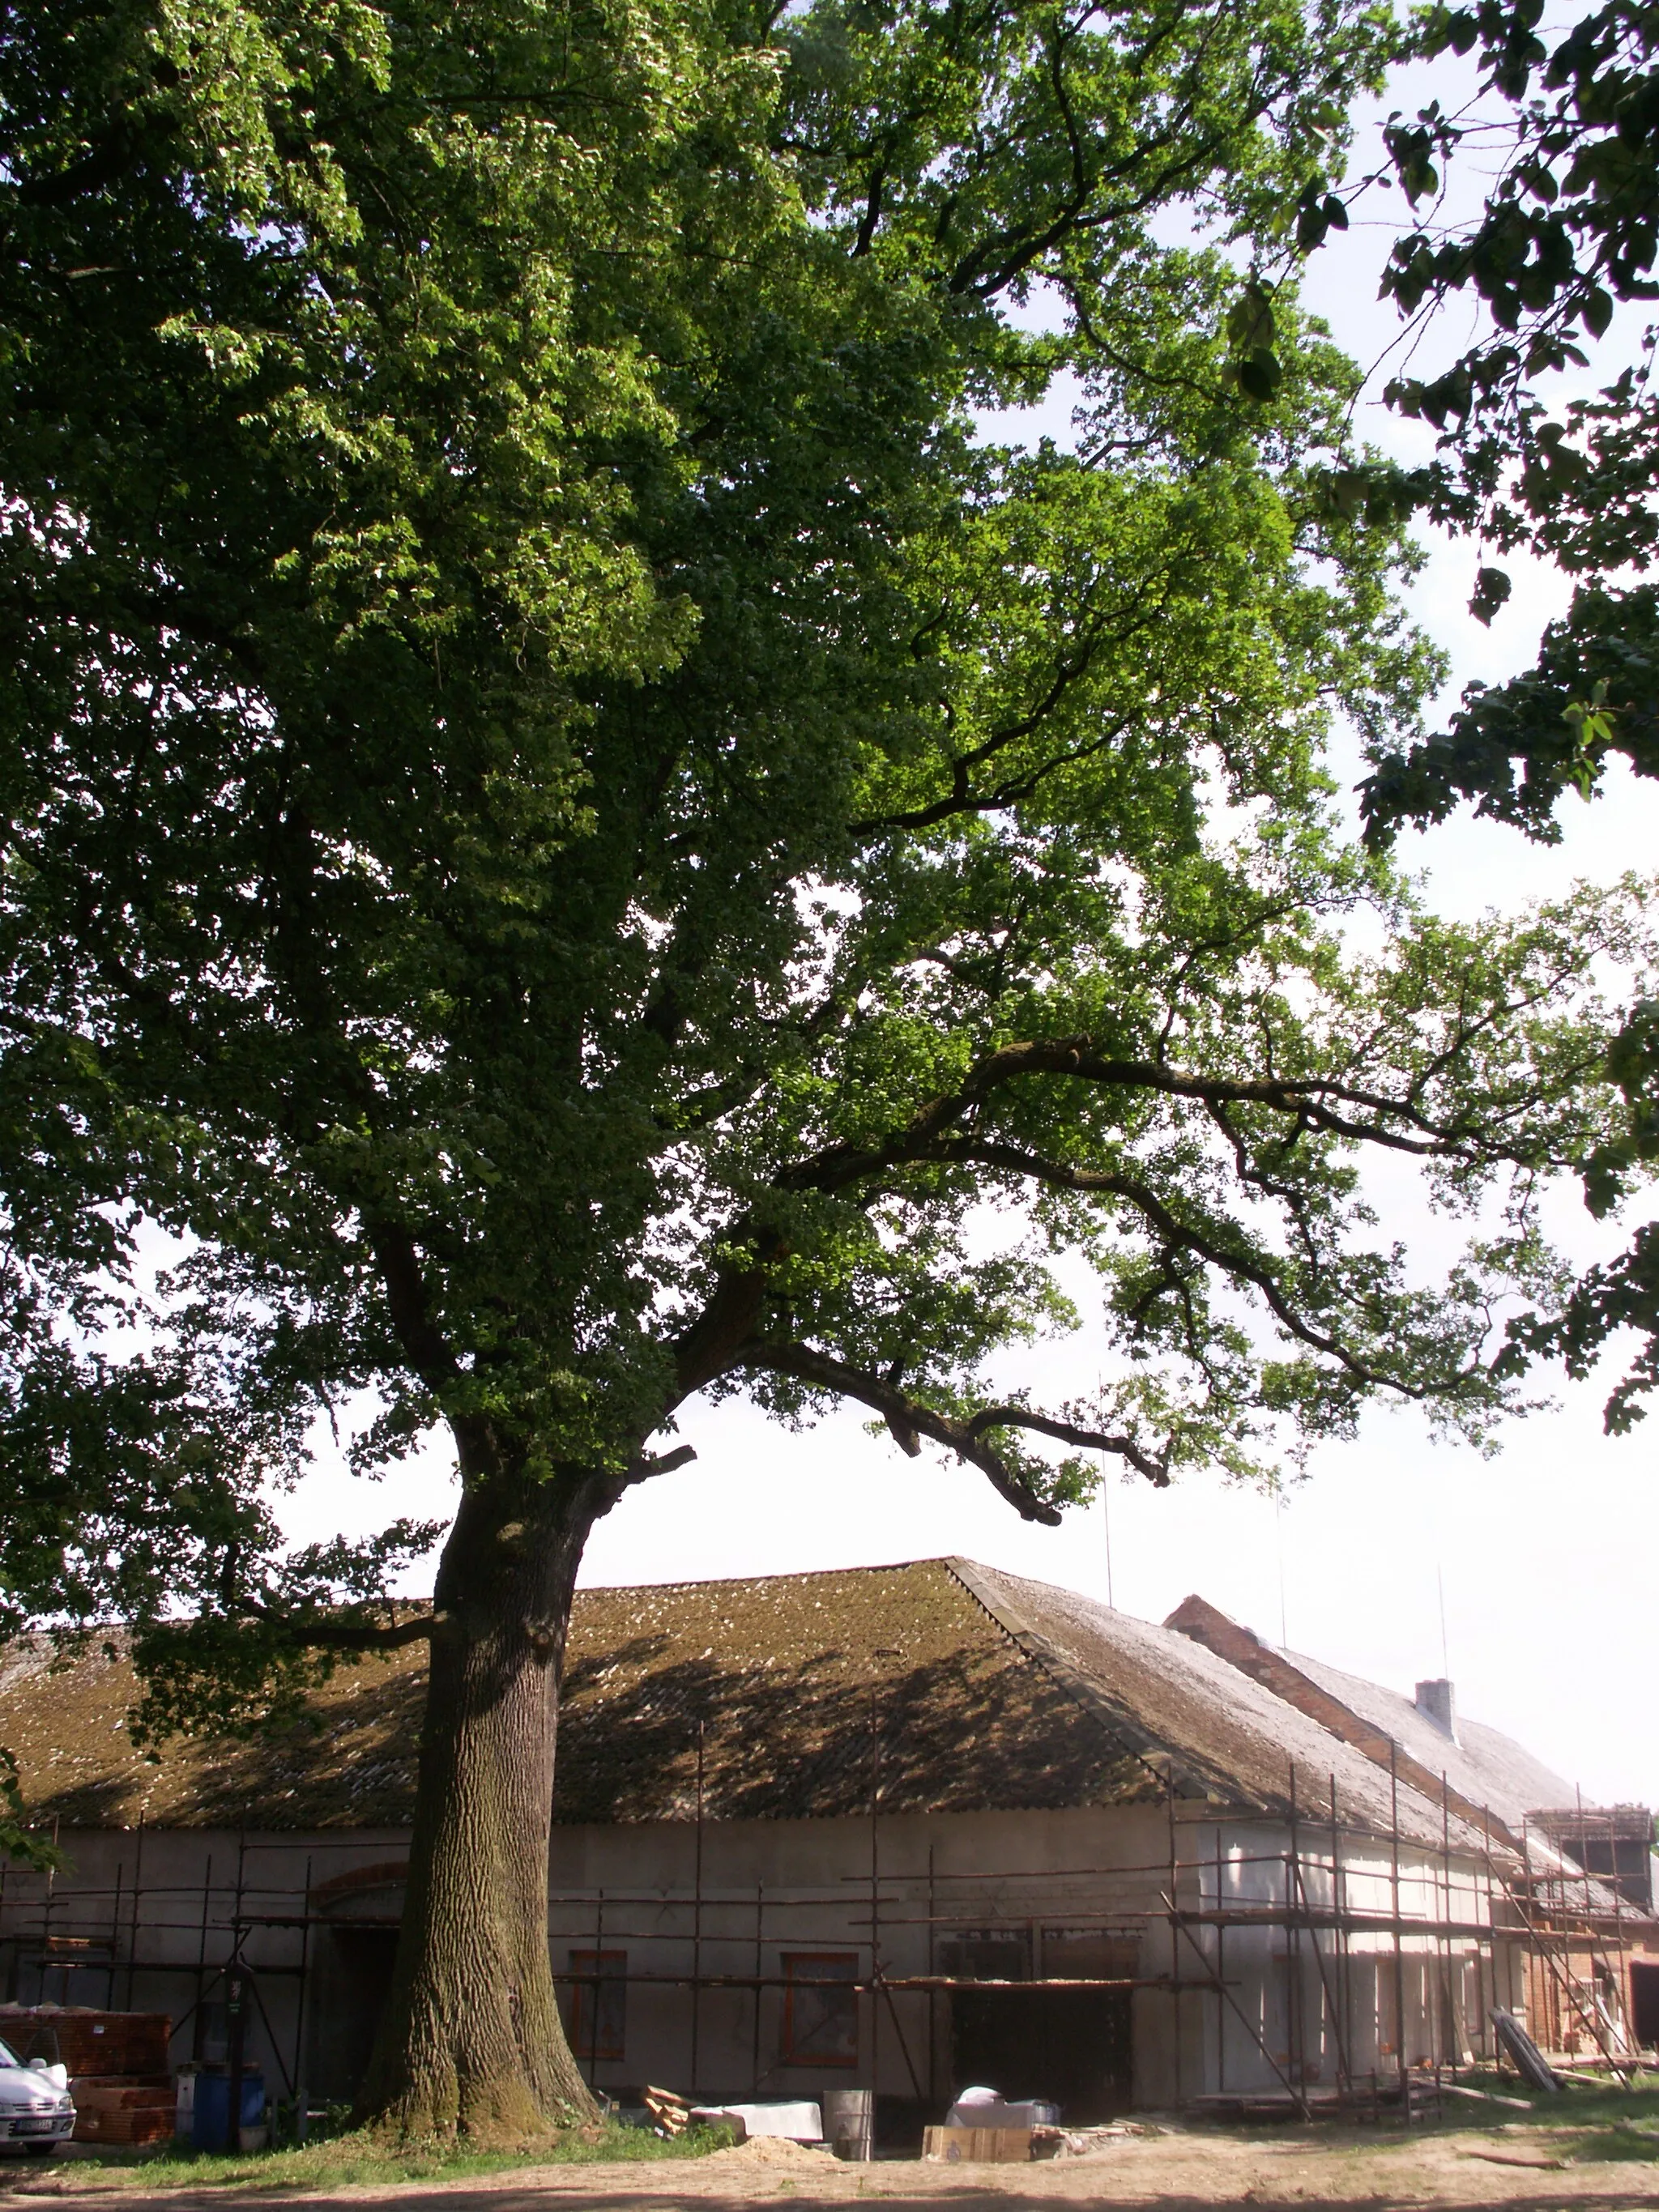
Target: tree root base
column 508, row 2120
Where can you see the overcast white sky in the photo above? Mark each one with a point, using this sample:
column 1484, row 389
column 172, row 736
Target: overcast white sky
column 1545, row 1554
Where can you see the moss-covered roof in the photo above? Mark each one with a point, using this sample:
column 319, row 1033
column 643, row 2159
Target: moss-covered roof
column 950, row 1686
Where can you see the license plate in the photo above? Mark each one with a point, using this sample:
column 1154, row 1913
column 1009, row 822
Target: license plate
column 43, row 2126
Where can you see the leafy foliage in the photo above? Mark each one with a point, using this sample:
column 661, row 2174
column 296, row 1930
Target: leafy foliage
column 1568, row 232
column 576, row 837
column 18, row 1841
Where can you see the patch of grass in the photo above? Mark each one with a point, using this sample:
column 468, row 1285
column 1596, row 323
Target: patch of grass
column 361, row 2156
column 1589, row 2104
column 1632, row 2141
column 1591, row 2122
column 1604, row 2123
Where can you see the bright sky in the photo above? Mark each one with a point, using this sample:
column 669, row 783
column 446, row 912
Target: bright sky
column 1538, row 1562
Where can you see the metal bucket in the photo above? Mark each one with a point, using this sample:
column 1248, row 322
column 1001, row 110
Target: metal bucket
column 849, row 2121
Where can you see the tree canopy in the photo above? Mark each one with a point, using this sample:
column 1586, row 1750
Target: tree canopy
column 578, row 833
column 1566, row 125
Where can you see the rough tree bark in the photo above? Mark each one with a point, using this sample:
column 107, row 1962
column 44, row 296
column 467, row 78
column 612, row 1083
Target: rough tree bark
column 470, row 2040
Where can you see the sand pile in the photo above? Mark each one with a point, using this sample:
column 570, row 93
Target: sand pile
column 772, row 2150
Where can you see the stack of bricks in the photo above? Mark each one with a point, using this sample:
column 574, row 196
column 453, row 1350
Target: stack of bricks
column 122, row 2111
column 117, row 2063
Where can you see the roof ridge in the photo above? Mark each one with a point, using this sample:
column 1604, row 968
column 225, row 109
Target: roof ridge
column 781, row 1575
column 1162, row 1761
column 1273, row 1667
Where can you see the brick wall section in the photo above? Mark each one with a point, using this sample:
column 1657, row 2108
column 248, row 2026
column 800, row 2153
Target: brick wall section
column 1241, row 1648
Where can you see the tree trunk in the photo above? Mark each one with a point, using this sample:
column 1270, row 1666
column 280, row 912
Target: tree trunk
column 471, row 2040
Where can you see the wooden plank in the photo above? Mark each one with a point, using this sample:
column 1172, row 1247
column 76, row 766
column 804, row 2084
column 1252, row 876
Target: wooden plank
column 977, row 2146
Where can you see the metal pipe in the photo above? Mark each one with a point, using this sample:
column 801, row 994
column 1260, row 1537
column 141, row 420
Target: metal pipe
column 137, row 1884
column 697, row 1920
column 201, row 1966
column 300, row 2098
column 1399, row 1955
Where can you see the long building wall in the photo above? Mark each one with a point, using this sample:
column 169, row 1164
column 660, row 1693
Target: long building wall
column 731, row 1958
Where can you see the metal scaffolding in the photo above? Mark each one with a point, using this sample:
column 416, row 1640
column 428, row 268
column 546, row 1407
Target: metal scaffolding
column 1343, row 1971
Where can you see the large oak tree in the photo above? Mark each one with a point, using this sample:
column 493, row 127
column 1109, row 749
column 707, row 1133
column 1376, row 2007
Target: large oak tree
column 576, row 837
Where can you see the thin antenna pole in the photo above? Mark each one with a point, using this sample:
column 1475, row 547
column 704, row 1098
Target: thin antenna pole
column 1445, row 1648
column 1105, row 1509
column 1278, row 1526
column 1106, row 1516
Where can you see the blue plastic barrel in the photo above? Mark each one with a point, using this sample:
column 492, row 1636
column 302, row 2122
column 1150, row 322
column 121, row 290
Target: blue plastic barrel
column 209, row 2128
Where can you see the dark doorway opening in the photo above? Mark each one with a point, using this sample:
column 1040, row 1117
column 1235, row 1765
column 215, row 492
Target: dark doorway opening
column 1072, row 2045
column 1644, row 2002
column 354, row 1980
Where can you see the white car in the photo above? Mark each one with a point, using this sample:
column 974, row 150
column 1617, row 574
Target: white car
column 36, row 2110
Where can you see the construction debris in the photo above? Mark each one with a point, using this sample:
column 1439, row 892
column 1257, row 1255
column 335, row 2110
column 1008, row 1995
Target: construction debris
column 1484, row 2096
column 124, row 2111
column 1528, row 2058
column 670, row 2113
column 977, row 2146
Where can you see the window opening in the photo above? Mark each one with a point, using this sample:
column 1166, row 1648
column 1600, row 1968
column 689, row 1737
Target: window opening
column 820, row 2023
column 599, row 2009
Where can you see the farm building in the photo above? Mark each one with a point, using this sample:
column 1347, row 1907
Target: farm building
column 904, row 1828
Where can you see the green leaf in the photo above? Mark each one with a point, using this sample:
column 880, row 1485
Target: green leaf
column 1251, row 323
column 1260, row 375
column 1492, row 589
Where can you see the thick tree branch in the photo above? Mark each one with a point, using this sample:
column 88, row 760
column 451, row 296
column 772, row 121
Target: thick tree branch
column 1243, row 1266
column 722, row 1335
column 705, row 1347
column 648, row 1464
column 427, row 1349
column 1398, row 1124
column 963, row 799
column 1156, row 1471
column 909, row 1419
column 321, row 1632
column 1126, row 619
column 110, row 155
column 872, row 215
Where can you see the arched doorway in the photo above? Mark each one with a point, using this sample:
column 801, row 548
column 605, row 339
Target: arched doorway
column 353, row 1948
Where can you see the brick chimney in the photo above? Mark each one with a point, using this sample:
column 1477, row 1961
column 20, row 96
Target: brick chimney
column 1435, row 1703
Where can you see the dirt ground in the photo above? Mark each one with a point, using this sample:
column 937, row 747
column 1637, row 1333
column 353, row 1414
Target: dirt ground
column 1180, row 2170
